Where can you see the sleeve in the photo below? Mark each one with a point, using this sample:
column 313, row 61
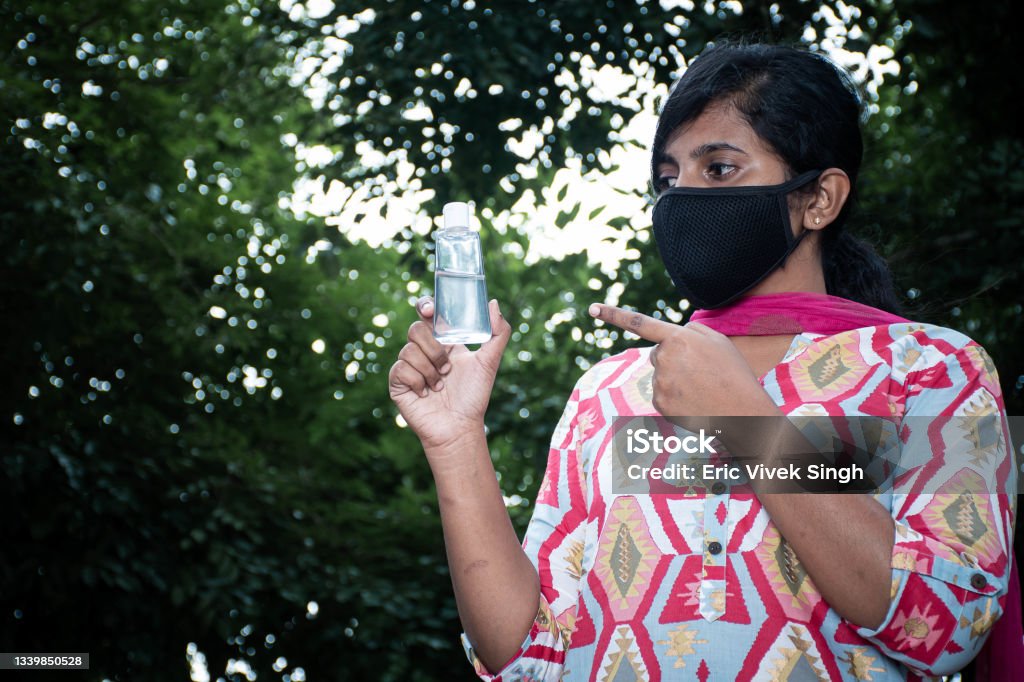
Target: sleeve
column 953, row 511
column 555, row 543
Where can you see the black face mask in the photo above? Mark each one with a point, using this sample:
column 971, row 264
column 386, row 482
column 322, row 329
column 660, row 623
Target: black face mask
column 718, row 243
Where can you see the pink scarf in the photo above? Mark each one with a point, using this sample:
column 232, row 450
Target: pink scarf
column 796, row 312
column 792, row 313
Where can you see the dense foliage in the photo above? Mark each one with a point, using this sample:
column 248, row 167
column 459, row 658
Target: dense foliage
column 198, row 457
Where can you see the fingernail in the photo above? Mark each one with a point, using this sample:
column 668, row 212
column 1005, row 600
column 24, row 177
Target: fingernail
column 425, row 393
column 594, row 309
column 439, row 385
column 447, row 368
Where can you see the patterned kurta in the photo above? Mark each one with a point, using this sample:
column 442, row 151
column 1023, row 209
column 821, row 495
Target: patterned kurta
column 630, row 591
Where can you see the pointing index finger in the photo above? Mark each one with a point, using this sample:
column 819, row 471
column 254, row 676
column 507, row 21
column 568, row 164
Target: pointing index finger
column 644, row 326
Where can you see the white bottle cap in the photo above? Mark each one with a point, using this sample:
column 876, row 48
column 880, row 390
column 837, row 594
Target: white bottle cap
column 456, row 215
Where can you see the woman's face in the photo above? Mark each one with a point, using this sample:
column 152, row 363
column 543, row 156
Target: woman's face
column 718, row 149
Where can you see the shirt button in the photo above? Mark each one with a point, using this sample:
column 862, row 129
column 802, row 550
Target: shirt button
column 716, row 547
column 978, row 581
column 718, row 488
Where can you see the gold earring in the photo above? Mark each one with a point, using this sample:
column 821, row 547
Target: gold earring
column 817, row 220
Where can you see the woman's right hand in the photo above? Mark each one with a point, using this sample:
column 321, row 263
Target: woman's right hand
column 442, row 391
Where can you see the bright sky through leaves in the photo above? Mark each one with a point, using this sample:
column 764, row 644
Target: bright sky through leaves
column 617, row 191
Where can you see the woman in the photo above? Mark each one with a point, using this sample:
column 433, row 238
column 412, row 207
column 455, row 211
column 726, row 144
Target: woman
column 795, row 317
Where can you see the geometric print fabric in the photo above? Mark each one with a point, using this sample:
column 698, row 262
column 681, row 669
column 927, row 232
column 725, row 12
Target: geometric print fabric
column 631, row 589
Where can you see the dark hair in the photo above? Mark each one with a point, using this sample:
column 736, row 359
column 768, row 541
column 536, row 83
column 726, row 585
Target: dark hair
column 807, row 110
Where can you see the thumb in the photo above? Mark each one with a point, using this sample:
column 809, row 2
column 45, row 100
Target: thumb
column 501, row 331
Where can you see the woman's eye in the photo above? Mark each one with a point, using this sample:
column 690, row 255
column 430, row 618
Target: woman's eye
column 718, row 170
column 664, row 182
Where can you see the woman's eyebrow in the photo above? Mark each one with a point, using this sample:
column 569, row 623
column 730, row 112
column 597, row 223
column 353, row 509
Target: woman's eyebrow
column 709, row 147
column 661, row 157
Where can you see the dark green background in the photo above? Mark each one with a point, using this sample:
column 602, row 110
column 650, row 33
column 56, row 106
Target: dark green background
column 129, row 538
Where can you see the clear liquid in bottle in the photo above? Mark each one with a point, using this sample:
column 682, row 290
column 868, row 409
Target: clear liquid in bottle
column 461, row 313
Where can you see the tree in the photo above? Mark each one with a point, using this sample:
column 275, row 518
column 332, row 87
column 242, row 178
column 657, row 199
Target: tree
column 197, row 445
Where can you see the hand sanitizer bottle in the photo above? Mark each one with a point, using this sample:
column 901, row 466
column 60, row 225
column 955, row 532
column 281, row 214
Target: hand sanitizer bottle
column 461, row 314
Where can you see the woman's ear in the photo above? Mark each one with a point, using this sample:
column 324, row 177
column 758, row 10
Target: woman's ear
column 823, row 207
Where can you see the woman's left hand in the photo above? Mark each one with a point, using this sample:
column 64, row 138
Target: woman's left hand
column 697, row 370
